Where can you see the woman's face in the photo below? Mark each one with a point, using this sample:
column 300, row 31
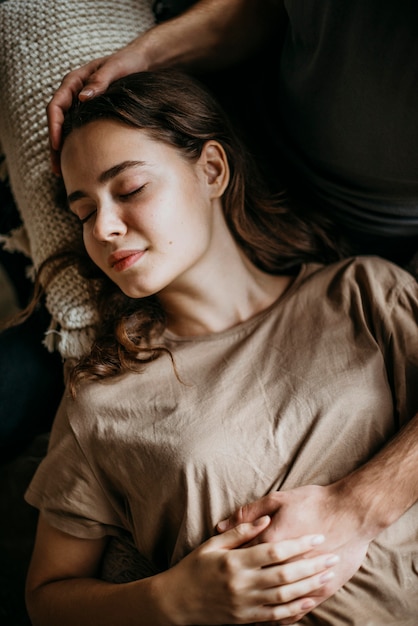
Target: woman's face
column 148, row 213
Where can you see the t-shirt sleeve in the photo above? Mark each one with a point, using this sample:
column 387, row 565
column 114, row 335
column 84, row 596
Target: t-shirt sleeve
column 67, row 488
column 396, row 326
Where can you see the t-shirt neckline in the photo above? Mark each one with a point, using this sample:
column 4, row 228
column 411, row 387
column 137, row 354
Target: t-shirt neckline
column 246, row 324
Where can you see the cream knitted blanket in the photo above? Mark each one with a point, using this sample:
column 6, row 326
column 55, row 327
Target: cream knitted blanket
column 42, row 40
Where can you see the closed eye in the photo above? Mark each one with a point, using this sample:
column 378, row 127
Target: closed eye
column 135, row 192
column 85, row 219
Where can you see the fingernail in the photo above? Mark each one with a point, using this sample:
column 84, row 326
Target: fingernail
column 332, row 560
column 223, row 525
column 87, row 93
column 317, row 539
column 307, row 604
column 324, row 578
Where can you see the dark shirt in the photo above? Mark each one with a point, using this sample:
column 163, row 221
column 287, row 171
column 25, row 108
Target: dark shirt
column 349, row 110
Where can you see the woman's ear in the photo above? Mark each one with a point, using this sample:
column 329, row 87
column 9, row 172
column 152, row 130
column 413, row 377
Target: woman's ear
column 214, row 163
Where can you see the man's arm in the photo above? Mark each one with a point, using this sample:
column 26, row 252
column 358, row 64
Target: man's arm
column 211, row 34
column 387, row 486
column 350, row 512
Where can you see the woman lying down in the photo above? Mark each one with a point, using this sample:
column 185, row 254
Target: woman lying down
column 230, row 367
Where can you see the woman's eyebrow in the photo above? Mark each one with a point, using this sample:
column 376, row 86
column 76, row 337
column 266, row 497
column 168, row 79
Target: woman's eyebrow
column 75, row 195
column 105, row 177
column 117, row 169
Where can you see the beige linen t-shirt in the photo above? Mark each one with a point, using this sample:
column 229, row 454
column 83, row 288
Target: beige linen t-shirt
column 302, row 393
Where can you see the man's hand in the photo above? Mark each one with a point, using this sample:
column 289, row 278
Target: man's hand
column 311, row 509
column 89, row 81
column 210, row 34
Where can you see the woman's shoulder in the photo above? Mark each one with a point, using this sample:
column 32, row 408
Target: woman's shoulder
column 368, row 283
column 362, row 271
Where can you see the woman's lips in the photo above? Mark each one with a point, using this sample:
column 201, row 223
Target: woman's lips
column 123, row 259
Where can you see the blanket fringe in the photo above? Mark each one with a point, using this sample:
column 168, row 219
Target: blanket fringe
column 16, row 241
column 71, row 344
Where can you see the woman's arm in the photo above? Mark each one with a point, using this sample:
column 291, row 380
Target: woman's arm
column 219, row 582
column 210, row 35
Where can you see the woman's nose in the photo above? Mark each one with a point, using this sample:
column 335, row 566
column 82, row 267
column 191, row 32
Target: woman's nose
column 108, row 223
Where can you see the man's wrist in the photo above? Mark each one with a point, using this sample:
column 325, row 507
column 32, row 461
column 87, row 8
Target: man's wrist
column 387, row 486
column 368, row 501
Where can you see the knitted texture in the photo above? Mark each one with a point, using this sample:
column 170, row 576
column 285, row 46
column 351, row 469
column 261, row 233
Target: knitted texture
column 41, row 41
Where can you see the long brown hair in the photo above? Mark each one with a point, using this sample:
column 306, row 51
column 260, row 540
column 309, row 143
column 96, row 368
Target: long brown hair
column 179, row 111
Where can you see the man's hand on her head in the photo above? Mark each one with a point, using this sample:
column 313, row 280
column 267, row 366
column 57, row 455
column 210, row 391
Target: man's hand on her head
column 86, row 82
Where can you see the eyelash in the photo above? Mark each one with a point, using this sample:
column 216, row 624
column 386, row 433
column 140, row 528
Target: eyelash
column 85, row 219
column 133, row 193
column 125, row 196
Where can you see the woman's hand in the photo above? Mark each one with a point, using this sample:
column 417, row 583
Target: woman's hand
column 311, row 509
column 222, row 581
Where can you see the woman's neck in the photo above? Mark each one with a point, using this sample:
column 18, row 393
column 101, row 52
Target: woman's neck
column 233, row 291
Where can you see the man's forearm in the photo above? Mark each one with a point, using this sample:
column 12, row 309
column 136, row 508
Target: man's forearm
column 212, row 33
column 387, row 486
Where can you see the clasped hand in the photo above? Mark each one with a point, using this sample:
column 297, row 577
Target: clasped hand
column 228, row 581
column 312, row 509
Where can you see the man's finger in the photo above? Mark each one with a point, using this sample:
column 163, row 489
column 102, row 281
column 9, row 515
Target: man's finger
column 267, row 505
column 239, row 535
column 70, row 87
